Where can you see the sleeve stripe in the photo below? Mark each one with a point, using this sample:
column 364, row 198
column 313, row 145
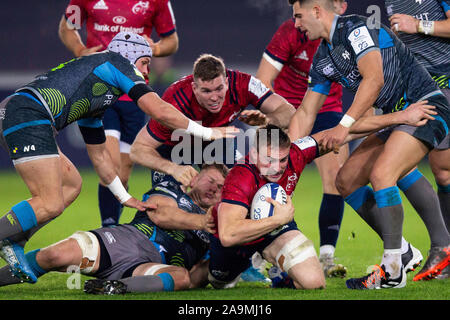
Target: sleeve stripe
column 168, row 33
column 260, row 102
column 186, row 102
column 181, row 105
column 232, row 86
column 154, row 136
column 239, row 203
column 276, row 63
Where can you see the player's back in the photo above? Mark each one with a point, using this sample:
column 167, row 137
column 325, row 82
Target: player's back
column 84, row 87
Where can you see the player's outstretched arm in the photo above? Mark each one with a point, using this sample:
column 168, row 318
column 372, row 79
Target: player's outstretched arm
column 303, row 120
column 167, row 215
column 104, row 167
column 144, row 152
column 277, row 110
column 170, row 117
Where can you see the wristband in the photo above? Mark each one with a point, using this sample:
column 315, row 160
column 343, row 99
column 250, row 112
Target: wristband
column 347, row 121
column 198, row 130
column 426, row 27
column 117, row 188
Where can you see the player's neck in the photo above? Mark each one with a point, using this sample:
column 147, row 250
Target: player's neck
column 329, row 27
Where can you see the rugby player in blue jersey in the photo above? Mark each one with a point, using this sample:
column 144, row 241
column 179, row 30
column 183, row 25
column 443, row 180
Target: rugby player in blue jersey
column 424, row 27
column 78, row 90
column 368, row 59
column 159, row 250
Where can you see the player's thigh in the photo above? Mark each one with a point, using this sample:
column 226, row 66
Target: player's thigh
column 328, row 166
column 179, row 275
column 440, row 165
column 356, row 170
column 400, row 154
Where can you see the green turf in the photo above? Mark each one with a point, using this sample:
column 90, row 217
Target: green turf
column 358, row 247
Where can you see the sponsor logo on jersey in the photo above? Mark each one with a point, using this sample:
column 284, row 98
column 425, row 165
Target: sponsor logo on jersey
column 346, row 55
column 2, row 114
column 140, row 7
column 119, row 19
column 292, row 181
column 303, row 56
column 360, row 39
column 328, row 70
column 419, row 1
column 109, row 237
column 101, row 5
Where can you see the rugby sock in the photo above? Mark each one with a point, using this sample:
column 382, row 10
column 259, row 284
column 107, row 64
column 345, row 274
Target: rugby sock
column 390, row 220
column 362, row 200
column 23, row 237
column 20, row 218
column 330, row 218
column 110, row 207
column 444, row 200
column 149, row 283
column 6, row 277
column 35, row 267
column 425, row 201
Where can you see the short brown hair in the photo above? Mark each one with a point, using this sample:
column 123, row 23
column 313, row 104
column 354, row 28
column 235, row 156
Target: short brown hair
column 328, row 3
column 208, row 67
column 271, row 133
column 223, row 169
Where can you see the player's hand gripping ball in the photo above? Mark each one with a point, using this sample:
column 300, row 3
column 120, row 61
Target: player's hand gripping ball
column 260, row 208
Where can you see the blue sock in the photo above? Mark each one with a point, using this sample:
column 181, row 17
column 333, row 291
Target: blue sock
column 110, row 207
column 25, row 215
column 31, row 258
column 388, row 197
column 409, row 180
column 358, row 197
column 330, row 218
column 167, row 280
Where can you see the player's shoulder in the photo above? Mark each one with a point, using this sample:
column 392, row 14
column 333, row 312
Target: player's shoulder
column 167, row 186
column 243, row 173
column 182, row 86
column 348, row 23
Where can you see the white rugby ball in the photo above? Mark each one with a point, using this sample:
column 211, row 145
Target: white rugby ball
column 260, row 208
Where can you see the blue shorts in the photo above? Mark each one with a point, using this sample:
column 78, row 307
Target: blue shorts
column 125, row 117
column 326, row 120
column 227, row 263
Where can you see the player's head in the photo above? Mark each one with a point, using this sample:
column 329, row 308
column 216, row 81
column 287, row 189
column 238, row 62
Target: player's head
column 210, row 83
column 134, row 48
column 311, row 16
column 270, row 152
column 207, row 185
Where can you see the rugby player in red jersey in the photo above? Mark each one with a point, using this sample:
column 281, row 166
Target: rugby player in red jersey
column 215, row 96
column 285, row 64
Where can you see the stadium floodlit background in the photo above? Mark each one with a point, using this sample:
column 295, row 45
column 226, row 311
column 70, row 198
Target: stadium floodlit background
column 236, row 30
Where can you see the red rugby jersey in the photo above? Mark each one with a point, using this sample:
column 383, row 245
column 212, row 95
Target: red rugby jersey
column 105, row 18
column 292, row 49
column 244, row 180
column 243, row 89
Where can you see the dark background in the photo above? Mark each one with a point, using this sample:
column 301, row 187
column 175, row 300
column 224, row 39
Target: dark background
column 236, row 30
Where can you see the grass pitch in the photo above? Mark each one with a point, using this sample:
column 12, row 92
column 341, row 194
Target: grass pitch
column 358, row 248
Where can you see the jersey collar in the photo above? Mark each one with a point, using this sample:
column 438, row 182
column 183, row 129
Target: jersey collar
column 333, row 28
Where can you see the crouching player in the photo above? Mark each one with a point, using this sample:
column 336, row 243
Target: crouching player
column 159, row 250
column 273, row 158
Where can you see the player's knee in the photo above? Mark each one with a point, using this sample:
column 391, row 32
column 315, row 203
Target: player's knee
column 53, row 209
column 315, row 280
column 441, row 176
column 341, row 183
column 51, row 257
column 381, row 177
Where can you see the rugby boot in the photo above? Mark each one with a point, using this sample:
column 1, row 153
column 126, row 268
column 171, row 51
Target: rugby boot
column 438, row 259
column 106, row 287
column 378, row 279
column 14, row 256
column 330, row 268
column 411, row 259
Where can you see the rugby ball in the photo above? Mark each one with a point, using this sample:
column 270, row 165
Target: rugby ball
column 260, row 208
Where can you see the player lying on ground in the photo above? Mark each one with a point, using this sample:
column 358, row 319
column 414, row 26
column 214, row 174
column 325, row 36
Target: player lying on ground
column 78, row 90
column 273, row 158
column 160, row 249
